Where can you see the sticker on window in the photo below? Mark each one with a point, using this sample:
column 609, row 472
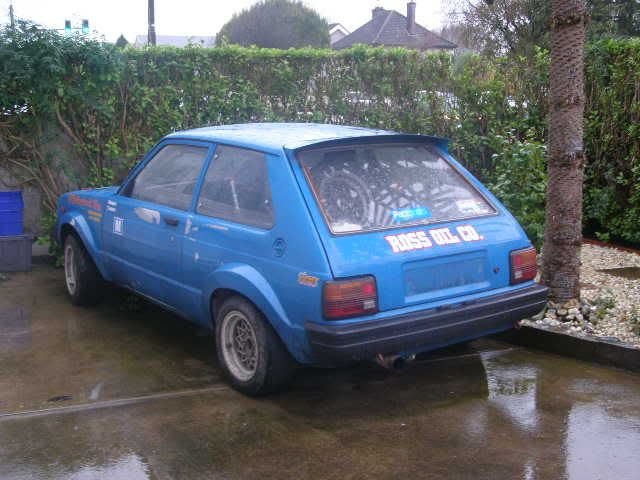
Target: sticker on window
column 470, row 206
column 410, row 214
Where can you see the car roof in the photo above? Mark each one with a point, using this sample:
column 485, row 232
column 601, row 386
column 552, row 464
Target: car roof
column 273, row 137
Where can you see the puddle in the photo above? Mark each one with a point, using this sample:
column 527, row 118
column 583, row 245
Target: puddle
column 508, row 412
column 613, row 455
column 632, row 273
column 513, row 388
column 15, row 329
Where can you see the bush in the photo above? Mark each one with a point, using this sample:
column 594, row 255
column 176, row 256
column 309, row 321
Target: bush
column 612, row 139
column 79, row 113
column 112, row 104
column 520, row 180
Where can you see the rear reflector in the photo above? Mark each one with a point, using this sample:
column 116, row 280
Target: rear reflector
column 350, row 298
column 524, row 266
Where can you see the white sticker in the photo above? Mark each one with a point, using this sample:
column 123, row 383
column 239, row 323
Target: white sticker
column 118, row 225
column 406, row 242
column 469, row 206
column 468, row 233
column 443, row 236
column 420, row 239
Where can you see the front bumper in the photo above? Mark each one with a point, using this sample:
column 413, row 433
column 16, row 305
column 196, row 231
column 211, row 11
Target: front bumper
column 426, row 328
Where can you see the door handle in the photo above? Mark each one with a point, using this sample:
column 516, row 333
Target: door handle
column 171, row 221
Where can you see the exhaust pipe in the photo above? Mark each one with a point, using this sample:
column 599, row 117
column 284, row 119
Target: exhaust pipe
column 392, row 361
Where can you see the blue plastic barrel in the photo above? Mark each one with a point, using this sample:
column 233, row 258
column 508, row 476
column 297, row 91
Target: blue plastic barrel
column 11, row 207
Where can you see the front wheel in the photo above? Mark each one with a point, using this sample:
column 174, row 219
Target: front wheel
column 250, row 352
column 82, row 278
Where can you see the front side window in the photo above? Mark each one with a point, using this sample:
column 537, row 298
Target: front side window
column 236, row 188
column 170, row 177
column 377, row 186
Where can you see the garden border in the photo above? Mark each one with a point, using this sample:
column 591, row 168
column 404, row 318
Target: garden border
column 589, row 349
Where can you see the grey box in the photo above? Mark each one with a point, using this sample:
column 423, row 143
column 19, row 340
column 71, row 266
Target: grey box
column 15, row 253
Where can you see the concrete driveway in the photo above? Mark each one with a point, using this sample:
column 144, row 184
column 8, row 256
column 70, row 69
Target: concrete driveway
column 106, row 393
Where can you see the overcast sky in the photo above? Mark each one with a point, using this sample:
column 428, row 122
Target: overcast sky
column 194, row 17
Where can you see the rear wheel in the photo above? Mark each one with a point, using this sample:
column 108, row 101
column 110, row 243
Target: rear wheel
column 82, row 278
column 250, row 352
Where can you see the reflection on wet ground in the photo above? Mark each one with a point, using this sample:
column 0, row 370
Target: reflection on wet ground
column 139, row 396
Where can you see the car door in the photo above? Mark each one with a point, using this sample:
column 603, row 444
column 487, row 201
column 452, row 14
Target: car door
column 233, row 218
column 145, row 223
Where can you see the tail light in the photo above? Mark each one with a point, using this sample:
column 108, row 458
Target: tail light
column 350, row 298
column 524, row 266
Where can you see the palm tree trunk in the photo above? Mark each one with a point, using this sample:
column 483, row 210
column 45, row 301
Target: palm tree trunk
column 563, row 230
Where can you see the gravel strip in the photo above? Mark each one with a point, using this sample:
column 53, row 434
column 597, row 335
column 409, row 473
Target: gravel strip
column 610, row 307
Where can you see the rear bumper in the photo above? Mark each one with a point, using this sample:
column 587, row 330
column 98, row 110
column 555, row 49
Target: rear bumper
column 426, row 328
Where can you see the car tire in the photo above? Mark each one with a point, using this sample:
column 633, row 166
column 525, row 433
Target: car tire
column 253, row 357
column 83, row 281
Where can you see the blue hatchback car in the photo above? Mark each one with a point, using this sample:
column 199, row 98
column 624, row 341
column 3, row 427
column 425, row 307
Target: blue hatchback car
column 305, row 244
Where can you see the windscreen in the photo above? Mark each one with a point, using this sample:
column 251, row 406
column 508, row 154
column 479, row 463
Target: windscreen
column 377, row 186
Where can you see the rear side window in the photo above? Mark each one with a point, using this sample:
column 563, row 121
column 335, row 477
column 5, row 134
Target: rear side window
column 371, row 187
column 169, row 178
column 236, row 188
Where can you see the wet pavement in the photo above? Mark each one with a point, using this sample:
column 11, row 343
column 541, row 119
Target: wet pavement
column 107, row 393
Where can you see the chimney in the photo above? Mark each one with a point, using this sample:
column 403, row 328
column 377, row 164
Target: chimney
column 411, row 17
column 377, row 12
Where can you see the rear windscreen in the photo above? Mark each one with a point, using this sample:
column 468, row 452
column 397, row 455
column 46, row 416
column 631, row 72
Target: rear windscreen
column 370, row 187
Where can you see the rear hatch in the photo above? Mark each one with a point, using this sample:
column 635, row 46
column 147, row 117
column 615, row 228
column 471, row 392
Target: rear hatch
column 407, row 214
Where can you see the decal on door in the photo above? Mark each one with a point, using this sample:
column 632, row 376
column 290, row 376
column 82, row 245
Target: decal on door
column 95, row 216
column 421, row 239
column 118, row 225
column 84, row 202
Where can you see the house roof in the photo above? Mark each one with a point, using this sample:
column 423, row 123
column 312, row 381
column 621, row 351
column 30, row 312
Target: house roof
column 179, row 41
column 389, row 28
column 339, row 26
column 273, row 137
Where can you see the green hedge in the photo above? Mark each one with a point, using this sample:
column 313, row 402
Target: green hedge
column 112, row 105
column 612, row 134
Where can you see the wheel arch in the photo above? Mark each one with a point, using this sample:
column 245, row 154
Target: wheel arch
column 219, row 296
column 77, row 225
column 246, row 282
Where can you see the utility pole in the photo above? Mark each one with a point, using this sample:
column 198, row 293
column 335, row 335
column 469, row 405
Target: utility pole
column 13, row 21
column 151, row 36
